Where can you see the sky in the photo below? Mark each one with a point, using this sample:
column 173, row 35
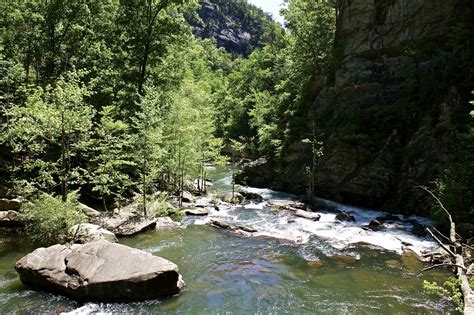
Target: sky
column 271, row 6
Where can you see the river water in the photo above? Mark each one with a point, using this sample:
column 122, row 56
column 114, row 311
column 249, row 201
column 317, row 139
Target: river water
column 303, row 267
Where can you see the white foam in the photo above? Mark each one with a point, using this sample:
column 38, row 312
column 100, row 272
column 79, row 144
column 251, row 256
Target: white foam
column 393, row 237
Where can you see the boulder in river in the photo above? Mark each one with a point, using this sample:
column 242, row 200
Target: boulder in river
column 307, row 215
column 237, row 229
column 375, row 225
column 166, row 222
column 86, row 232
column 100, row 271
column 287, row 205
column 196, row 212
column 345, row 217
column 418, row 229
column 126, row 224
column 235, row 198
column 250, row 196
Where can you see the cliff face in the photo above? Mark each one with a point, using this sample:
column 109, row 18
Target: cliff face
column 236, row 25
column 399, row 92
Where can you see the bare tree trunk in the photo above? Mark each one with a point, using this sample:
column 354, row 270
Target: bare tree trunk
column 456, row 250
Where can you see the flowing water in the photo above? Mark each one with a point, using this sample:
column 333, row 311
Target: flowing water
column 302, row 267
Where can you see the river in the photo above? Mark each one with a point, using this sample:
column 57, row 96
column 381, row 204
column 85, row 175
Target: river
column 311, row 271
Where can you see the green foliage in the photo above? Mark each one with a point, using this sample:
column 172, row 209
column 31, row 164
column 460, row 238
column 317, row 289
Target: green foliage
column 49, row 131
column 48, row 218
column 160, row 207
column 455, row 184
column 451, row 289
column 111, row 156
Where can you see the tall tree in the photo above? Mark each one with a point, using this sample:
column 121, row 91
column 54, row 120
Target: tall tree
column 49, row 131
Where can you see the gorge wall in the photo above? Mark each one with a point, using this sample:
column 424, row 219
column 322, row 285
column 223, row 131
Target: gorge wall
column 402, row 79
column 399, row 93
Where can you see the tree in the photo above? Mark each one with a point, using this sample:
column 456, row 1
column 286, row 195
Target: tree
column 148, row 137
column 110, row 157
column 49, row 131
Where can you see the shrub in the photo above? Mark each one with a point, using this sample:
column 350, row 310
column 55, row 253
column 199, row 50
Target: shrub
column 160, row 207
column 48, row 218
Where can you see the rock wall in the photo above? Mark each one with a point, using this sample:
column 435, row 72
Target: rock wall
column 399, row 93
column 402, row 78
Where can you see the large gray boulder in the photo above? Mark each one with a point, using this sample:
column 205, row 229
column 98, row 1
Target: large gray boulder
column 86, row 232
column 100, row 271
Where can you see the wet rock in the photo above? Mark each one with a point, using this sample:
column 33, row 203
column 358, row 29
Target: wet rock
column 345, row 217
column 127, row 224
column 166, row 222
column 10, row 204
column 375, row 225
column 287, row 205
column 251, row 196
column 237, row 229
column 100, row 271
column 10, row 219
column 86, row 233
column 307, row 215
column 418, row 230
column 235, row 198
column 196, row 212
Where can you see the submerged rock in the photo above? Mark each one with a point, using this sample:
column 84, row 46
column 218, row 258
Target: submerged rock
column 307, row 215
column 85, row 233
column 100, row 271
column 315, row 263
